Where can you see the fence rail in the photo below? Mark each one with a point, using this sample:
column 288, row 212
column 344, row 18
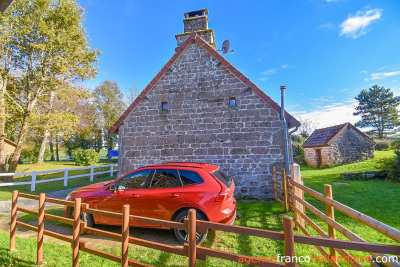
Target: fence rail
column 290, row 193
column 191, row 250
column 65, row 178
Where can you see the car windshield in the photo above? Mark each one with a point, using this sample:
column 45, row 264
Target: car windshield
column 225, row 179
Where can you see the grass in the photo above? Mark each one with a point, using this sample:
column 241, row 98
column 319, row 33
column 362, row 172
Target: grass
column 375, row 198
column 378, row 199
column 6, row 192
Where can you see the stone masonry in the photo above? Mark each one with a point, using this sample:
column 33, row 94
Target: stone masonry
column 350, row 147
column 199, row 125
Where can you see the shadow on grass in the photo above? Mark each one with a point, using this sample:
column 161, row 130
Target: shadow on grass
column 8, row 258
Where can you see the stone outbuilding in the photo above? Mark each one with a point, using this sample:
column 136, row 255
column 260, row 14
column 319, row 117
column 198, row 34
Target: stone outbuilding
column 337, row 145
column 199, row 108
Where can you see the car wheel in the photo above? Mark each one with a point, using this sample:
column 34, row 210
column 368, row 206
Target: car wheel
column 182, row 235
column 86, row 217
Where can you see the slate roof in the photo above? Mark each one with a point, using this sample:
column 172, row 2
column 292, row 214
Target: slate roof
column 326, row 136
column 292, row 122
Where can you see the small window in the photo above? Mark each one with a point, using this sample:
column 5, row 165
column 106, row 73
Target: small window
column 232, row 101
column 165, row 179
column 190, row 177
column 164, row 105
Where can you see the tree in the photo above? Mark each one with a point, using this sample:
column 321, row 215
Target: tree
column 51, row 44
column 110, row 104
column 307, row 127
column 378, row 109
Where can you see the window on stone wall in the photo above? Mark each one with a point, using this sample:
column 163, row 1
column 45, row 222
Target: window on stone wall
column 164, row 105
column 232, row 101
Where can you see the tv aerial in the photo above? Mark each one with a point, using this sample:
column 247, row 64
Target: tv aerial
column 225, row 47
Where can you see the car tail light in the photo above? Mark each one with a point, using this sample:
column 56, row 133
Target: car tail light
column 222, row 197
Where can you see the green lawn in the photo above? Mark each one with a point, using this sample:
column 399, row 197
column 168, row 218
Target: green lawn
column 6, row 192
column 378, row 199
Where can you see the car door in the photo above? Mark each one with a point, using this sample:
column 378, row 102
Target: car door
column 163, row 196
column 128, row 190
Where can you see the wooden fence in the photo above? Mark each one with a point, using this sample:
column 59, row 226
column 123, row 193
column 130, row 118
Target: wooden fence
column 65, row 178
column 289, row 191
column 191, row 225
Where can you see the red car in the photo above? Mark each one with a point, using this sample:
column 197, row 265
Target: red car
column 164, row 191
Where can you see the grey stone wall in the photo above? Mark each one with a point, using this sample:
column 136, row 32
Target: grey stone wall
column 200, row 126
column 206, row 35
column 195, row 24
column 350, row 147
column 312, row 158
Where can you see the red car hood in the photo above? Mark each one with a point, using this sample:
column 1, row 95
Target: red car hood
column 92, row 187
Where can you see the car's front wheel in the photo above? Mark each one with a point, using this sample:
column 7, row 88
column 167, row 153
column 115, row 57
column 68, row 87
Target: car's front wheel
column 86, row 217
column 182, row 235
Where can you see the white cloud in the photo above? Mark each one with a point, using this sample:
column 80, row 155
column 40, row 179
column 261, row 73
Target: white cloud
column 326, row 26
column 331, row 114
column 287, row 66
column 382, row 75
column 269, row 72
column 355, row 26
column 264, row 79
column 363, row 71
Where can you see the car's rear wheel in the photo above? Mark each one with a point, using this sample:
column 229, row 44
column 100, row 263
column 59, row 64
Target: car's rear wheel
column 86, row 217
column 182, row 235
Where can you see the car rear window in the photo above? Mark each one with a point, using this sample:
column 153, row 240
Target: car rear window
column 190, row 177
column 225, row 179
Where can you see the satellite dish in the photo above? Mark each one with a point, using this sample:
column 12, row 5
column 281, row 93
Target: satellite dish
column 225, row 47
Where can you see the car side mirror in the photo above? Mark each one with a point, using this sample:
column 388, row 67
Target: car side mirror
column 113, row 188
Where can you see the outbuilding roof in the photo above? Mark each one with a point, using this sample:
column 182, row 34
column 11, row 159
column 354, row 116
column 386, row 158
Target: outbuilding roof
column 326, row 136
column 292, row 122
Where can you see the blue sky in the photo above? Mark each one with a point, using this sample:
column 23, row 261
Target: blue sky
column 324, row 51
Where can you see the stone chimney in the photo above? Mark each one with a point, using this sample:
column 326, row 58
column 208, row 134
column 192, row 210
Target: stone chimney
column 196, row 21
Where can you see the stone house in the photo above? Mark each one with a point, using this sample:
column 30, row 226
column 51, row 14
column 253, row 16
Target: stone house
column 199, row 108
column 9, row 147
column 337, row 145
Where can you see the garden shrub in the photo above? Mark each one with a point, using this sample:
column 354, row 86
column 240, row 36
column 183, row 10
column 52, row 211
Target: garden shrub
column 298, row 138
column 31, row 154
column 298, row 153
column 382, row 145
column 391, row 166
column 85, row 157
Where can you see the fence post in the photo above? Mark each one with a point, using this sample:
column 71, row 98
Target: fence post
column 192, row 237
column 75, row 232
column 42, row 198
column 65, row 177
column 112, row 170
column 125, row 235
column 330, row 211
column 288, row 238
column 91, row 173
column 285, row 191
column 33, row 181
column 13, row 225
column 295, row 176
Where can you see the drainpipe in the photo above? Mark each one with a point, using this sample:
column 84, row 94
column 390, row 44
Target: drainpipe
column 119, row 155
column 285, row 128
column 290, row 144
